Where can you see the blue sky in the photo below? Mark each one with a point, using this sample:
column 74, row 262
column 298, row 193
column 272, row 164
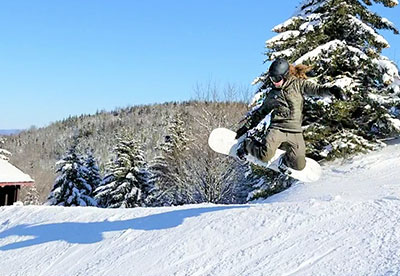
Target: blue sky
column 72, row 57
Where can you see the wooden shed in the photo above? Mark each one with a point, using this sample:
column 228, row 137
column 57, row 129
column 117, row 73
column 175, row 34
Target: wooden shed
column 11, row 180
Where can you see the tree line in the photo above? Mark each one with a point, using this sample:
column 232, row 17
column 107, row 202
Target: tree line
column 172, row 138
column 129, row 180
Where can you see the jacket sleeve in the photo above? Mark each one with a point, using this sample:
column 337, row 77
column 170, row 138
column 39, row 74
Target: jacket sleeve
column 312, row 89
column 258, row 115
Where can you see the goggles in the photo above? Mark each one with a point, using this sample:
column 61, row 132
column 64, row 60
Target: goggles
column 276, row 78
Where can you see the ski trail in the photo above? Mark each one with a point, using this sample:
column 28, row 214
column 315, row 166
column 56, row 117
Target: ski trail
column 309, row 262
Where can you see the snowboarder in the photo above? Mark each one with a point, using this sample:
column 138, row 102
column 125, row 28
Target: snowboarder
column 285, row 101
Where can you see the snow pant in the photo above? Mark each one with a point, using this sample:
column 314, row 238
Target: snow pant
column 291, row 142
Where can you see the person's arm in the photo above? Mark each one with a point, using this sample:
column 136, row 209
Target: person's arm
column 313, row 89
column 254, row 119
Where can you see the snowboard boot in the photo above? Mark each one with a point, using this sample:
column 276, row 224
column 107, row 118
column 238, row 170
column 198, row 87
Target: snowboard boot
column 241, row 151
column 283, row 169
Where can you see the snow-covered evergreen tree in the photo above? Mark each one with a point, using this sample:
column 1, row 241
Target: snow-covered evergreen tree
column 70, row 187
column 32, row 196
column 93, row 177
column 168, row 168
column 127, row 183
column 4, row 154
column 340, row 40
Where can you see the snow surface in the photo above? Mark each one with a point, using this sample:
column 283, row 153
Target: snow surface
column 348, row 223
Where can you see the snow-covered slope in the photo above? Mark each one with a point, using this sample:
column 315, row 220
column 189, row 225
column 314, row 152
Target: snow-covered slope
column 348, row 223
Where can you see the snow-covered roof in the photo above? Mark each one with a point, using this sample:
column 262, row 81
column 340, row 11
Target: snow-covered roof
column 10, row 175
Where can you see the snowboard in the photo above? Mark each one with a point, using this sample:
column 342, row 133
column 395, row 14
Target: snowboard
column 223, row 141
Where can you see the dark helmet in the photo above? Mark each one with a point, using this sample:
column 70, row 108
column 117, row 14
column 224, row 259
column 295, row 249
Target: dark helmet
column 278, row 69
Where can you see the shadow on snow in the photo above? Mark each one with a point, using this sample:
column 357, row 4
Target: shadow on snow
column 92, row 232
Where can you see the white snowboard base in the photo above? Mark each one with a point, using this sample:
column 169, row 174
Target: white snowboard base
column 223, row 141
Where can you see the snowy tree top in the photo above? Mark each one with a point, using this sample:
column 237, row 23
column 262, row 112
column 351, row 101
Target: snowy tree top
column 309, row 6
column 312, row 14
column 4, row 154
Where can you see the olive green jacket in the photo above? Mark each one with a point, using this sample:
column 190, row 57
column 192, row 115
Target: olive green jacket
column 287, row 104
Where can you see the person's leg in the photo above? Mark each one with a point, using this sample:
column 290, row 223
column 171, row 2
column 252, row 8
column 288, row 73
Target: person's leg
column 295, row 157
column 265, row 151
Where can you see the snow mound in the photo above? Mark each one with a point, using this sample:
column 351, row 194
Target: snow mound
column 345, row 224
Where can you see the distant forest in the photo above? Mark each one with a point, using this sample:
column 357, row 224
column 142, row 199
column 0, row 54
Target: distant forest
column 37, row 150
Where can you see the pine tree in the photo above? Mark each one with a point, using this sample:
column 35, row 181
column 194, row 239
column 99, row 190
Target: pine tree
column 93, row 177
column 70, row 187
column 127, row 182
column 339, row 39
column 4, row 154
column 32, row 197
column 168, row 169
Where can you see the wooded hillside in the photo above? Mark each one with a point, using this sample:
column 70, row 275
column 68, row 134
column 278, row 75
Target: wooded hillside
column 36, row 151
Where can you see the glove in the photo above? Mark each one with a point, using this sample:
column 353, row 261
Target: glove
column 241, row 131
column 338, row 93
column 241, row 151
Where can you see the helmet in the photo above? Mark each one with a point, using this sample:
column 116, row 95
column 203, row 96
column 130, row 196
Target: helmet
column 278, row 69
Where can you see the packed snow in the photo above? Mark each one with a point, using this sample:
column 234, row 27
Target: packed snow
column 348, row 223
